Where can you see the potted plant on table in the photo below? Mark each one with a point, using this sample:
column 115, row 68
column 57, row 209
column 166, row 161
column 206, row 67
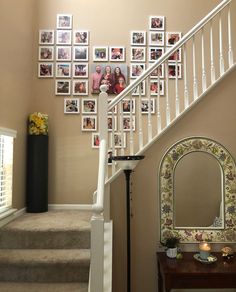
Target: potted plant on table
column 171, row 244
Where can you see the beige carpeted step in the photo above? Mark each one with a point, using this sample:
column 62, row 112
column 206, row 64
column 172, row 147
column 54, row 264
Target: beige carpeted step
column 43, row 287
column 54, row 229
column 44, row 265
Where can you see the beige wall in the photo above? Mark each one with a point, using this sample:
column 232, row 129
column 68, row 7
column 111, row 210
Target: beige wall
column 214, row 117
column 16, row 26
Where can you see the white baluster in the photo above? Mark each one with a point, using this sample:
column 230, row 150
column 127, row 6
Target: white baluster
column 140, row 120
column 204, row 85
column 186, row 95
column 167, row 94
column 222, row 66
column 213, row 74
column 158, row 102
column 149, row 116
column 121, row 129
column 176, row 88
column 131, row 131
column 113, row 144
column 230, row 53
column 195, row 87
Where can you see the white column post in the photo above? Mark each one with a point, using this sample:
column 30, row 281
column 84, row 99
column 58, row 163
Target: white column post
column 213, row 74
column 230, row 53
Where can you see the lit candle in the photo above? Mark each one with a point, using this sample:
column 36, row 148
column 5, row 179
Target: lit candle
column 205, row 249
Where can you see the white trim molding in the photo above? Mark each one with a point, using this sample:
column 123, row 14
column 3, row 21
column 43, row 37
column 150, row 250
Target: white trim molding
column 82, row 207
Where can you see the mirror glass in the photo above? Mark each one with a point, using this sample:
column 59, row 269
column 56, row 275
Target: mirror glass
column 197, row 181
column 197, row 191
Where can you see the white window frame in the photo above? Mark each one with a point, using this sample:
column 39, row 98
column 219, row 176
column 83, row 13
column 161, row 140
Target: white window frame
column 6, row 165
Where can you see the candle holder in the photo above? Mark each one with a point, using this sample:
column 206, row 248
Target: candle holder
column 204, row 250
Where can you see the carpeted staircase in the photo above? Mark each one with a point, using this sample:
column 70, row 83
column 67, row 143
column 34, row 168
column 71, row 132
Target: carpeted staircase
column 46, row 252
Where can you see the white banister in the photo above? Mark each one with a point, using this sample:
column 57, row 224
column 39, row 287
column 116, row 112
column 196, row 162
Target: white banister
column 158, row 103
column 213, row 74
column 167, row 94
column 176, row 88
column 222, row 66
column 230, row 53
column 140, row 120
column 149, row 112
column 195, row 86
column 121, row 130
column 131, row 130
column 204, row 84
column 186, row 95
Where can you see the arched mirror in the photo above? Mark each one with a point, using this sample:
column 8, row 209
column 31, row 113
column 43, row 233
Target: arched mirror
column 197, row 191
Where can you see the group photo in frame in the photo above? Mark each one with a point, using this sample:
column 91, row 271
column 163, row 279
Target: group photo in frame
column 71, row 106
column 89, row 106
column 95, row 140
column 46, row 53
column 113, row 75
column 80, row 70
column 145, row 102
column 46, row 37
column 45, row 70
column 138, row 54
column 172, row 38
column 80, row 87
column 138, row 38
column 128, row 105
column 89, row 123
column 100, row 53
column 63, row 37
column 127, row 123
column 157, row 23
column 64, row 21
column 156, row 38
column 156, row 87
column 63, row 53
column 63, row 70
column 80, row 53
column 62, row 87
column 116, row 54
column 80, row 37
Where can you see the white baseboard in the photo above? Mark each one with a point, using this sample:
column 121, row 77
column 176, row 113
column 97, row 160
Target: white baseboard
column 10, row 215
column 82, row 207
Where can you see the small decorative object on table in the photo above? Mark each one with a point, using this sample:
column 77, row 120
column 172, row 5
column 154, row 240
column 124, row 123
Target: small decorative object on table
column 37, row 163
column 227, row 253
column 171, row 244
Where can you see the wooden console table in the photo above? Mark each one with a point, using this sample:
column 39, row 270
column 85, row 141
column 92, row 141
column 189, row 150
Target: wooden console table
column 189, row 273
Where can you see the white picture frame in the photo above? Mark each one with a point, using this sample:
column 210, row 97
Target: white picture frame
column 63, row 37
column 156, row 38
column 80, row 37
column 71, row 106
column 62, row 87
column 80, row 53
column 135, row 92
column 177, row 55
column 138, row 54
column 145, row 105
column 95, row 140
column 89, row 123
column 115, row 108
column 110, row 124
column 46, row 53
column 80, row 87
column 126, row 123
column 172, row 70
column 63, row 53
column 45, row 69
column 154, row 88
column 154, row 53
column 126, row 102
column 46, row 37
column 64, row 21
column 118, row 140
column 100, row 53
column 172, row 37
column 63, row 70
column 138, row 38
column 80, row 70
column 89, row 106
column 116, row 54
column 161, row 69
column 156, row 22
column 137, row 69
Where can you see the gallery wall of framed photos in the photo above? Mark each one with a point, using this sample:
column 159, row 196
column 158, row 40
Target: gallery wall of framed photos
column 78, row 69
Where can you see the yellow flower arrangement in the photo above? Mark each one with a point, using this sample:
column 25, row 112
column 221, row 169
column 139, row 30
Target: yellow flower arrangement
column 38, row 124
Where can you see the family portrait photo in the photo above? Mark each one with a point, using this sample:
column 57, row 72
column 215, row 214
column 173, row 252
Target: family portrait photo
column 138, row 38
column 172, row 71
column 80, row 70
column 89, row 123
column 63, row 37
column 64, row 21
column 46, row 37
column 156, row 38
column 138, row 54
column 136, row 70
column 89, row 106
column 63, row 53
column 112, row 123
column 45, row 70
column 63, row 70
column 80, row 87
column 128, row 105
column 155, row 53
column 117, row 54
column 80, row 37
column 156, row 88
column 46, row 53
column 172, row 38
column 118, row 143
column 112, row 75
column 145, row 105
column 62, row 87
column 100, row 54
column 157, row 22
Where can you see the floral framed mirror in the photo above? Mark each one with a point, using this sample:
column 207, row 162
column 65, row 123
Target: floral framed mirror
column 197, row 187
